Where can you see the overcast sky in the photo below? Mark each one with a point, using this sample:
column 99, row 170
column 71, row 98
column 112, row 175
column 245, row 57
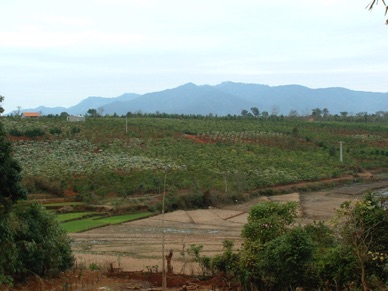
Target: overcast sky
column 57, row 53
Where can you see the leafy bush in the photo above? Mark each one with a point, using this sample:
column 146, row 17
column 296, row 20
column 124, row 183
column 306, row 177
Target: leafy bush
column 15, row 132
column 10, row 178
column 9, row 255
column 285, row 260
column 36, row 184
column 34, row 132
column 55, row 130
column 42, row 246
column 32, row 243
column 75, row 129
column 228, row 261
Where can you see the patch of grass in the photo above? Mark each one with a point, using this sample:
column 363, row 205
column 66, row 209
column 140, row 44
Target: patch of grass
column 82, row 224
column 93, row 222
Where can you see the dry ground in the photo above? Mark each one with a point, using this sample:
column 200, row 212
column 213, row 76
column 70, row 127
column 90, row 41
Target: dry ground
column 137, row 245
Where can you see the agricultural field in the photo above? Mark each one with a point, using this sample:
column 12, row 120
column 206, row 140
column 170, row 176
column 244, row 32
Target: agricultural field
column 81, row 221
column 136, row 245
column 198, row 162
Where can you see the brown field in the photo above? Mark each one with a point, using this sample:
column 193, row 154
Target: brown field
column 137, row 245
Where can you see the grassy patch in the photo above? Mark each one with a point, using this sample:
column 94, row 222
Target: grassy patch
column 93, row 222
column 82, row 224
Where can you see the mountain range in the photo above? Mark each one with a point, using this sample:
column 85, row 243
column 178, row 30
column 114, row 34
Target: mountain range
column 231, row 98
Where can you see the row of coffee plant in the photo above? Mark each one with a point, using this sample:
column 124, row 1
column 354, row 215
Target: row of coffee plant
column 126, row 156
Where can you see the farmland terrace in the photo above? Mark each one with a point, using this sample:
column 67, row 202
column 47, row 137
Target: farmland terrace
column 136, row 245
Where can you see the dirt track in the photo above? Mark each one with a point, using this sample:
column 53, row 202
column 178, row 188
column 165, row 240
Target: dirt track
column 137, row 245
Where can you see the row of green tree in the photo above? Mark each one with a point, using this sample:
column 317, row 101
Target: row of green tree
column 319, row 114
column 254, row 112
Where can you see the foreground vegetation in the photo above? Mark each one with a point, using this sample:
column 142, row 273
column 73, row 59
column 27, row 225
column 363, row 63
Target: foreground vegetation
column 31, row 240
column 278, row 255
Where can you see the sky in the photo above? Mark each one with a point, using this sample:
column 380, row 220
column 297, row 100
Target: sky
column 57, row 53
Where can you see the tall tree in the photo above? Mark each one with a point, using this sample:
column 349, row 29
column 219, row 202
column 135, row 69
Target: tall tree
column 11, row 189
column 244, row 112
column 266, row 222
column 31, row 239
column 255, row 111
column 317, row 112
column 1, row 100
column 92, row 112
column 325, row 112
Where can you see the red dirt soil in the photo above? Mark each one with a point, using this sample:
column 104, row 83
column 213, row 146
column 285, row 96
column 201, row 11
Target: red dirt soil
column 88, row 280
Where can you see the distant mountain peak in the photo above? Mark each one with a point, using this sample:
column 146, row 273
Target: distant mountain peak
column 188, row 86
column 231, row 98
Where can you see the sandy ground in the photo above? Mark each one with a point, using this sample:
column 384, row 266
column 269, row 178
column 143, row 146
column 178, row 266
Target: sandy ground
column 137, row 245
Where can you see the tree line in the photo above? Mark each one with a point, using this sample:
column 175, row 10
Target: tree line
column 315, row 114
column 318, row 114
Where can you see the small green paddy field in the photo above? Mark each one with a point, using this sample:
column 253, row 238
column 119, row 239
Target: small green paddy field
column 82, row 221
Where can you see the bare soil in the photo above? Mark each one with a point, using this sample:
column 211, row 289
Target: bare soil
column 137, row 245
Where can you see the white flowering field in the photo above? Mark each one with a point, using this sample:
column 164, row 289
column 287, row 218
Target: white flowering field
column 111, row 156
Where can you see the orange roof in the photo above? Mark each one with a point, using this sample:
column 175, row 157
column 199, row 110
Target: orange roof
column 31, row 114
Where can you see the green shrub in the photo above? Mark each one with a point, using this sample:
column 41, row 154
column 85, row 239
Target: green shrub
column 36, row 184
column 34, row 132
column 15, row 132
column 32, row 243
column 9, row 255
column 55, row 130
column 75, row 129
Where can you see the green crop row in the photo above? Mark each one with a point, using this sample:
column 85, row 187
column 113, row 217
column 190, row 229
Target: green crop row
column 114, row 156
column 84, row 224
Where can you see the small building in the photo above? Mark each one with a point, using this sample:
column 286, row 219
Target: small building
column 75, row 118
column 30, row 115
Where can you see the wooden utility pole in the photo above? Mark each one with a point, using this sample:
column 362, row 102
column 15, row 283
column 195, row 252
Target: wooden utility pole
column 164, row 281
column 340, row 150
